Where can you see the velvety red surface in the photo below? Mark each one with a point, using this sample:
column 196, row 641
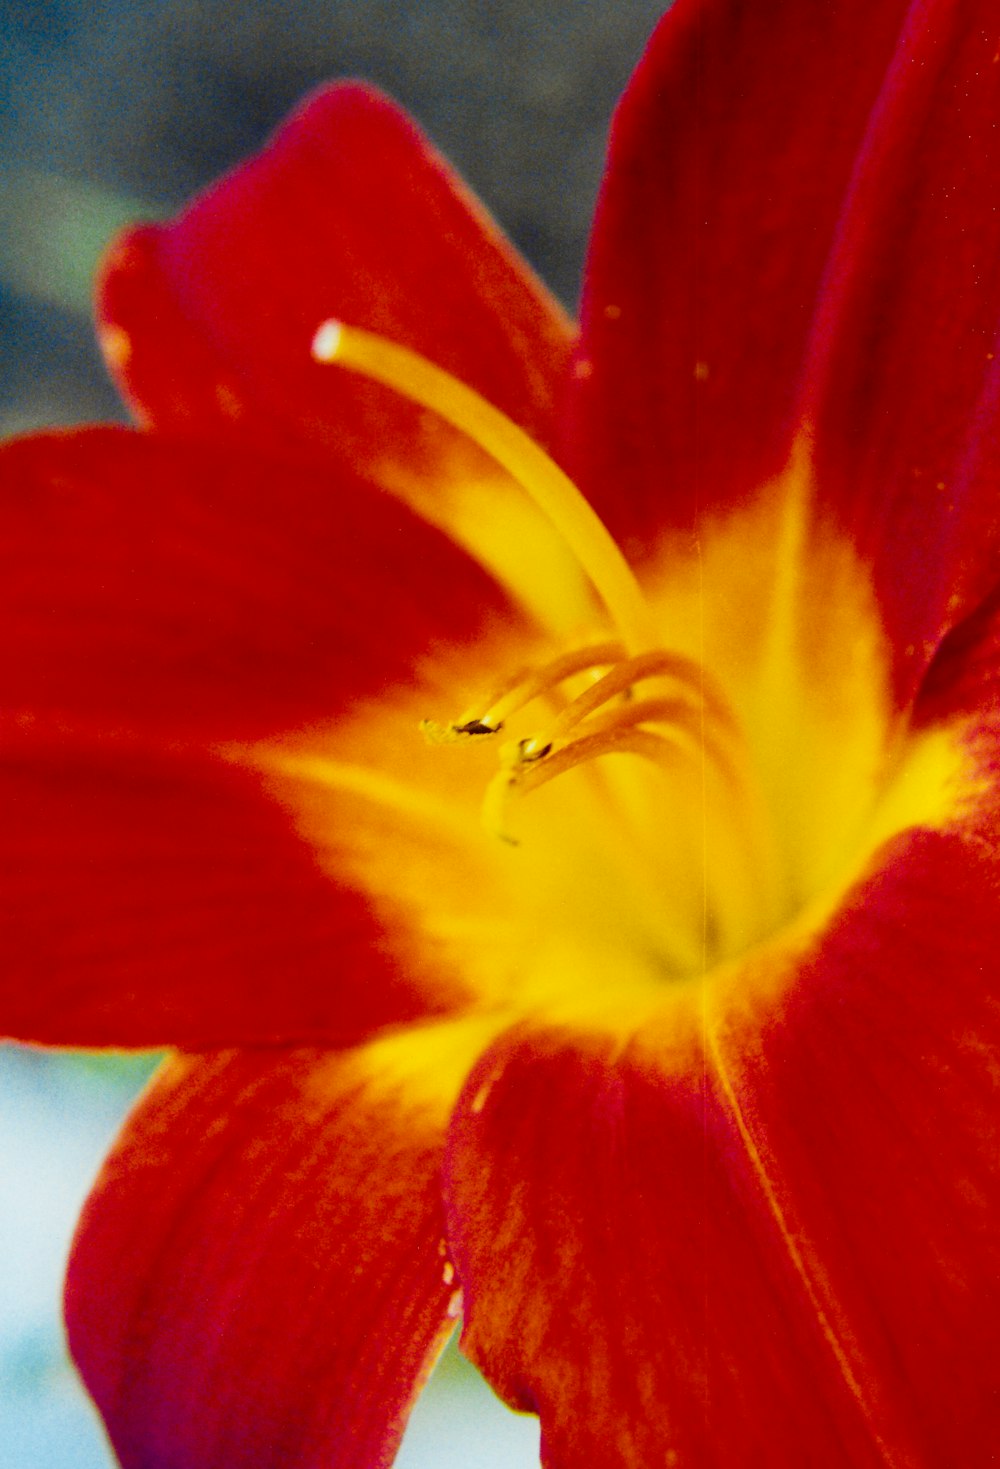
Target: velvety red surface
column 164, row 600
column 350, row 214
column 257, row 1279
column 772, row 1243
column 780, row 1249
column 808, row 244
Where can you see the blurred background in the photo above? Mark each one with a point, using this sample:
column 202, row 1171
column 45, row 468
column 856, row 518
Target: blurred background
column 115, row 109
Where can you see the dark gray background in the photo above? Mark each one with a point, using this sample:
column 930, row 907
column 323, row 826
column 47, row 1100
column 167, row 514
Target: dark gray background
column 110, row 108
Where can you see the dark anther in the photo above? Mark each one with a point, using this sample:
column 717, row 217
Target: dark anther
column 529, row 753
column 478, row 727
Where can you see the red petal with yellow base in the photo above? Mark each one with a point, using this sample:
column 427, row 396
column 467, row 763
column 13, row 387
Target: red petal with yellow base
column 807, row 245
column 730, row 155
column 259, row 1280
column 211, row 607
column 769, row 1213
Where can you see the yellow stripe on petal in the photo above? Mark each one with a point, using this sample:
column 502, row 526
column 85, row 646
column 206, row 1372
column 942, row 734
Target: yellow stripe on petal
column 425, row 1065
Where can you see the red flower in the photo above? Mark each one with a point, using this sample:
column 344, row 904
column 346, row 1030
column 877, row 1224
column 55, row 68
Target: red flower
column 697, row 1025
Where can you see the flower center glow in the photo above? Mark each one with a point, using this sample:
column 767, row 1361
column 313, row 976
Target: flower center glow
column 680, row 708
column 768, row 719
column 684, row 713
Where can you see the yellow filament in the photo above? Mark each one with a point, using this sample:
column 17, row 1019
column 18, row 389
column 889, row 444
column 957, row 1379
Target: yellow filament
column 542, row 680
column 659, row 748
column 625, row 672
column 677, row 712
column 555, row 494
column 534, row 765
column 681, row 717
column 654, row 664
column 599, row 727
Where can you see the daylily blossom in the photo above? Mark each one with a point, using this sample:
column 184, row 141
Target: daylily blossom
column 542, row 785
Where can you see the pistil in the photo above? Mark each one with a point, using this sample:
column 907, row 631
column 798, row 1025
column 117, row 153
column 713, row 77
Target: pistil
column 623, row 695
column 554, row 493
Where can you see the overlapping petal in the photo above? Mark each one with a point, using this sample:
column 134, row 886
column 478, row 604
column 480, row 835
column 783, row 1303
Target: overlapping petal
column 259, row 1278
column 730, row 156
column 206, row 600
column 743, row 292
column 769, row 1214
column 901, row 381
column 872, row 1108
column 349, row 213
column 963, row 681
column 623, row 1221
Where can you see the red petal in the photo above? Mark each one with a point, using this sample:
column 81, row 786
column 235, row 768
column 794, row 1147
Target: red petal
column 730, row 156
column 259, row 1278
column 902, row 381
column 348, row 213
column 615, row 1278
column 169, row 603
column 162, row 900
column 876, row 1100
column 764, row 1231
column 206, row 592
column 963, row 681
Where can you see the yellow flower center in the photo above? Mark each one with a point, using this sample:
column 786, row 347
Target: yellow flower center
column 652, row 704
column 714, row 796
column 615, row 712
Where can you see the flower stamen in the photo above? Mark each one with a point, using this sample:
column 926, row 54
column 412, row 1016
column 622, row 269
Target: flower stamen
column 691, row 676
column 531, row 764
column 693, row 721
column 524, row 687
column 690, row 719
column 545, row 681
